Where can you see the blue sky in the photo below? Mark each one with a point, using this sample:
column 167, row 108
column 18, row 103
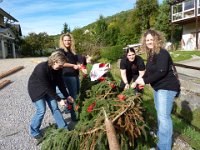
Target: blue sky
column 50, row 15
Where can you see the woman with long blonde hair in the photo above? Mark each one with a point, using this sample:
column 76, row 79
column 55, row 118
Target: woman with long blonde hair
column 160, row 75
column 71, row 68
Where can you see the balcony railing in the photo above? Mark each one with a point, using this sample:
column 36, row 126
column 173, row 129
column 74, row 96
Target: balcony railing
column 185, row 10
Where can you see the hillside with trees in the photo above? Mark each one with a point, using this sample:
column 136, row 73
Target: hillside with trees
column 110, row 32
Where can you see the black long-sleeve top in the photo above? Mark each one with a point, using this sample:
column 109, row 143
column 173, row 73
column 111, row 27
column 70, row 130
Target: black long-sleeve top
column 72, row 59
column 159, row 72
column 132, row 68
column 44, row 80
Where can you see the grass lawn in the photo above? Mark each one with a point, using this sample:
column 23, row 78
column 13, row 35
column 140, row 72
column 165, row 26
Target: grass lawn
column 183, row 55
column 185, row 131
column 180, row 55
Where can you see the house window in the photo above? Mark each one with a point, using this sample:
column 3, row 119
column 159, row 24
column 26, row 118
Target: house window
column 177, row 8
column 189, row 4
column 189, row 14
column 177, row 12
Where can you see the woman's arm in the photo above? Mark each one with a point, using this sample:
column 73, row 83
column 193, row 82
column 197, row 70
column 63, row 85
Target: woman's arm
column 71, row 65
column 141, row 73
column 124, row 78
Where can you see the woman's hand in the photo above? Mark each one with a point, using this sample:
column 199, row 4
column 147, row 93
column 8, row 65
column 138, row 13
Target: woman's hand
column 140, row 81
column 133, row 85
column 70, row 99
column 127, row 86
column 83, row 69
column 88, row 59
column 62, row 102
column 76, row 67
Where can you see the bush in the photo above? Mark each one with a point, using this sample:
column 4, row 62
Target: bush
column 112, row 53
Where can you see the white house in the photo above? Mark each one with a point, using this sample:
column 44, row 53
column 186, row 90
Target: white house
column 8, row 38
column 187, row 14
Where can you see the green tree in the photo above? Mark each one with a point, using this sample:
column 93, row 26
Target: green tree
column 146, row 12
column 37, row 44
column 172, row 32
column 101, row 28
column 85, row 41
column 65, row 28
column 111, row 35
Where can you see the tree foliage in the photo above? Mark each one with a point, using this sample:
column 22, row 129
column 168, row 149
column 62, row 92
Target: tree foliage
column 120, row 29
column 100, row 31
column 66, row 28
column 163, row 23
column 146, row 11
column 37, row 44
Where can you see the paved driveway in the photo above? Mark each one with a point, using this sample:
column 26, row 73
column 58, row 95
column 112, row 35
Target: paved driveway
column 190, row 72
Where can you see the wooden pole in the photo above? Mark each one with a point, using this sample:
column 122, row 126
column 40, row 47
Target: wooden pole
column 4, row 83
column 111, row 134
column 11, row 71
column 196, row 17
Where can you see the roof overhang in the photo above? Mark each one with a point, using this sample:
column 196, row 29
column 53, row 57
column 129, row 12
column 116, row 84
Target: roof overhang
column 173, row 2
column 8, row 15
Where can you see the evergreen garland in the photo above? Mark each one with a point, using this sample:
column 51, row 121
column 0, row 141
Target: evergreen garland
column 90, row 134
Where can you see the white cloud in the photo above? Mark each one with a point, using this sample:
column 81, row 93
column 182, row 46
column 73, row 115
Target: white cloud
column 49, row 16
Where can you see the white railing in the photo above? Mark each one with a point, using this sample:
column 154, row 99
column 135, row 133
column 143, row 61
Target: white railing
column 184, row 10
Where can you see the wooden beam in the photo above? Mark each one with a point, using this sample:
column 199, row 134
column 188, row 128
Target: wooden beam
column 11, row 71
column 4, row 83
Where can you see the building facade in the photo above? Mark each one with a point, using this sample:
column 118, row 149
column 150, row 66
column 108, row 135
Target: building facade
column 8, row 38
column 187, row 14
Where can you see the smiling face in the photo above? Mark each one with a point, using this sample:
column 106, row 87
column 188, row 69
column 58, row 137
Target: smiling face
column 149, row 41
column 67, row 41
column 131, row 56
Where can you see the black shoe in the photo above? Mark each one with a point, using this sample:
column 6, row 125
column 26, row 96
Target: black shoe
column 38, row 138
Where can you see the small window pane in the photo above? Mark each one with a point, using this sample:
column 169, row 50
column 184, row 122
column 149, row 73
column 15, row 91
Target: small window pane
column 177, row 8
column 189, row 14
column 189, row 4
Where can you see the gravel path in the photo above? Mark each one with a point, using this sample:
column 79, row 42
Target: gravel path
column 16, row 108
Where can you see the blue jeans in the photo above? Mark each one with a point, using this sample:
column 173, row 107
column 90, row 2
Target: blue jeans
column 40, row 112
column 71, row 111
column 163, row 100
column 72, row 83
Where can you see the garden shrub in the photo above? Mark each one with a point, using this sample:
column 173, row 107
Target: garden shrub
column 112, row 53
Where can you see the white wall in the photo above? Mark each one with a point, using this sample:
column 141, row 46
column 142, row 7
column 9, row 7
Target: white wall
column 189, row 36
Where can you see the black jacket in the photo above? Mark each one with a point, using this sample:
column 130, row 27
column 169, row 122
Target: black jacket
column 43, row 81
column 132, row 68
column 72, row 59
column 159, row 72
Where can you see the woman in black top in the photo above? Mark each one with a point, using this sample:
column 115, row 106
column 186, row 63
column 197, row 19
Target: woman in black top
column 71, row 68
column 160, row 75
column 131, row 66
column 42, row 89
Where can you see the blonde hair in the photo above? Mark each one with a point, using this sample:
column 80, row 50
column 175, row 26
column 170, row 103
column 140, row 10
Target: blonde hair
column 158, row 38
column 58, row 57
column 61, row 44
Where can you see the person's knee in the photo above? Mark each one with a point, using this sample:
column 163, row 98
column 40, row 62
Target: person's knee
column 41, row 112
column 55, row 108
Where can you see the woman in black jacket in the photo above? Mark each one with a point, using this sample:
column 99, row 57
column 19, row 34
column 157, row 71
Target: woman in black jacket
column 71, row 68
column 160, row 75
column 42, row 89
